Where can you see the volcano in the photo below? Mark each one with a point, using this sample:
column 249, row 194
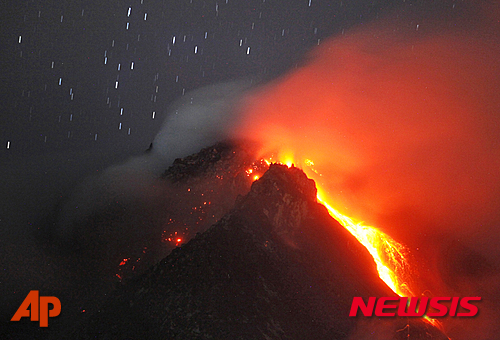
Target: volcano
column 276, row 266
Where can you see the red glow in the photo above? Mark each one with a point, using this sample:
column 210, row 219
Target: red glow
column 391, row 128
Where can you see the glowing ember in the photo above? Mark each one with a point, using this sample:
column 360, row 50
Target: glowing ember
column 175, row 238
column 128, row 265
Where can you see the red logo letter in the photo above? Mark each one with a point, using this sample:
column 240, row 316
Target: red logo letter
column 454, row 305
column 412, row 308
column 379, row 310
column 465, row 304
column 436, row 305
column 367, row 310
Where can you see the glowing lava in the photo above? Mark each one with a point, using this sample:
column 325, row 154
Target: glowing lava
column 389, row 255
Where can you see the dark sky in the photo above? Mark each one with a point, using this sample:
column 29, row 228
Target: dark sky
column 88, row 83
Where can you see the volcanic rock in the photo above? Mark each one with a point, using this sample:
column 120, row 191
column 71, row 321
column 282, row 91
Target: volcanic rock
column 276, row 267
column 125, row 236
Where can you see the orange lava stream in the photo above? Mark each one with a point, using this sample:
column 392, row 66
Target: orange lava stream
column 389, row 255
column 381, row 247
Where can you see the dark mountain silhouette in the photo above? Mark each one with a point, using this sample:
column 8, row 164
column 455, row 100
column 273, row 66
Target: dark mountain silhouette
column 276, row 267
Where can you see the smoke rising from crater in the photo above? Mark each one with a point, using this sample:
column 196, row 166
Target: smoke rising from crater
column 393, row 124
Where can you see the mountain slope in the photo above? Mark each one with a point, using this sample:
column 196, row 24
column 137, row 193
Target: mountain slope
column 276, row 267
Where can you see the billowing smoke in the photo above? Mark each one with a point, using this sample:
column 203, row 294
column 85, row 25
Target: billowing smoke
column 201, row 118
column 403, row 124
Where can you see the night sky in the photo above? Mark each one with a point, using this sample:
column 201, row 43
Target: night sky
column 85, row 74
column 86, row 84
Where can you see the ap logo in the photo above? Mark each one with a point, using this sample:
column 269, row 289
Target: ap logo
column 37, row 307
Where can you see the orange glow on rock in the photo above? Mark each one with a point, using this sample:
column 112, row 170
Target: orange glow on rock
column 389, row 255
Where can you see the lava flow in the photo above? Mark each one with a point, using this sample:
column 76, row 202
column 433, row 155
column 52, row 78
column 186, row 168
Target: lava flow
column 389, row 255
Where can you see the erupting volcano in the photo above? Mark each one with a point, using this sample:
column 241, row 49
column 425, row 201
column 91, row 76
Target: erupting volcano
column 389, row 255
column 369, row 172
column 400, row 133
